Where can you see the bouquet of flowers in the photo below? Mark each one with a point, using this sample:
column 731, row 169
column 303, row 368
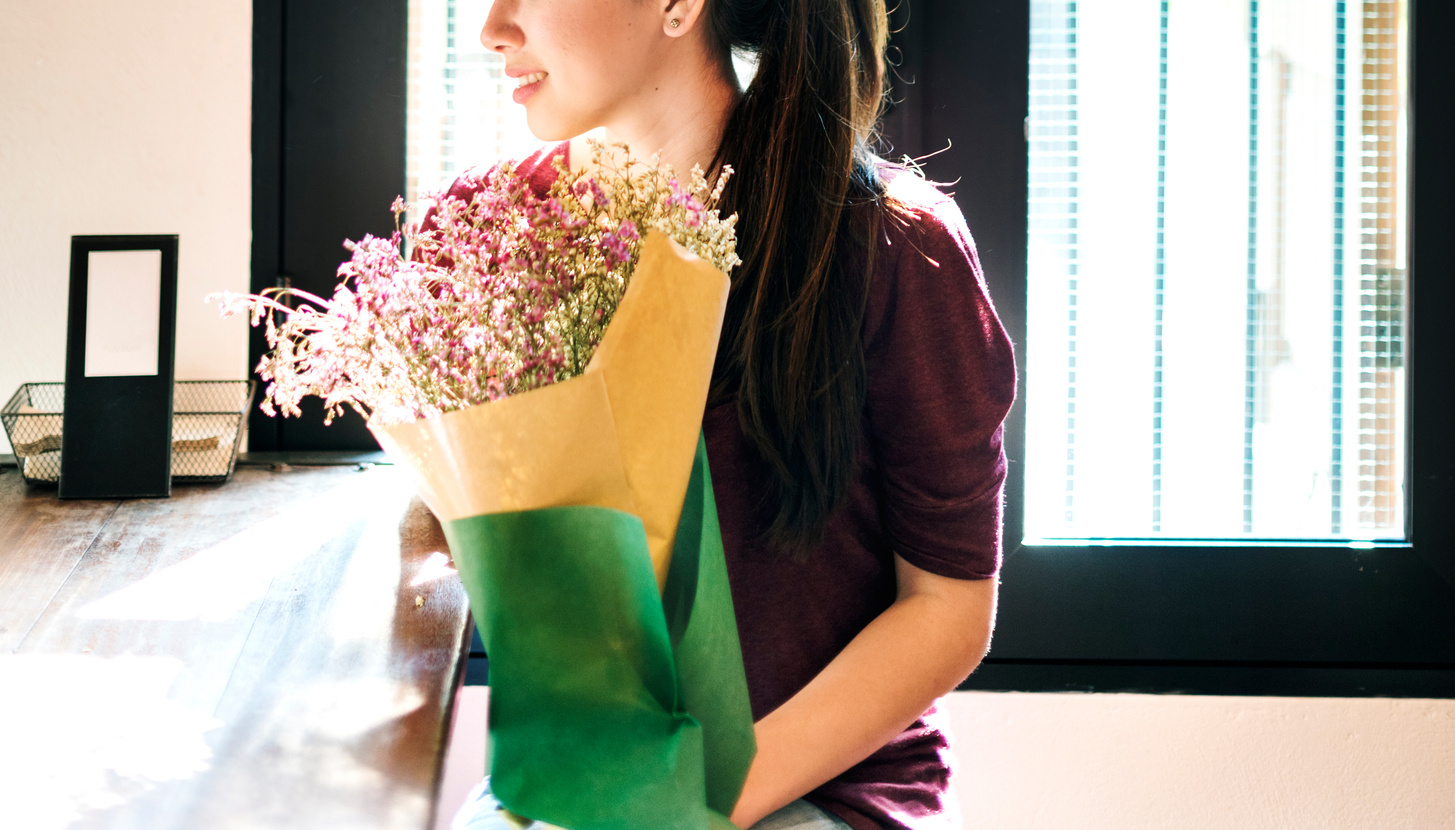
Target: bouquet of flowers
column 540, row 365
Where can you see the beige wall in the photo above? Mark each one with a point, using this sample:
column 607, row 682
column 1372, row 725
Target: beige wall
column 119, row 118
column 1159, row 762
column 1183, row 762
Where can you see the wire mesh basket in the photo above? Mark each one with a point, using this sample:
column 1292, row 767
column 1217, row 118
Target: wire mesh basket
column 207, row 422
column 32, row 420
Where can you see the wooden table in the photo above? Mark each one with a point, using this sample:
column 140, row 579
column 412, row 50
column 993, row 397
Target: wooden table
column 280, row 651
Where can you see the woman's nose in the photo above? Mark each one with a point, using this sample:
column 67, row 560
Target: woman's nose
column 501, row 32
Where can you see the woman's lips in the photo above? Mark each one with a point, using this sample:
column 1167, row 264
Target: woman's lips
column 526, row 86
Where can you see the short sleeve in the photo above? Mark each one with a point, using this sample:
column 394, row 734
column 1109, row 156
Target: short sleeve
column 538, row 168
column 940, row 377
column 463, row 188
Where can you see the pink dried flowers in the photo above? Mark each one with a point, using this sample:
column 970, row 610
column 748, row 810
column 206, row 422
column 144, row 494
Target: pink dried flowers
column 507, row 293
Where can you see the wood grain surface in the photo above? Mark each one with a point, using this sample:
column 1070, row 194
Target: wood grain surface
column 52, row 534
column 277, row 652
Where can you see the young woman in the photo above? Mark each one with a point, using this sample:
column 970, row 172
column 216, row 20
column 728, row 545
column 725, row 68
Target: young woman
column 854, row 424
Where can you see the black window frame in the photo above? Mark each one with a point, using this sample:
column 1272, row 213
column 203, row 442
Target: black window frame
column 1304, row 619
column 329, row 82
column 1276, row 619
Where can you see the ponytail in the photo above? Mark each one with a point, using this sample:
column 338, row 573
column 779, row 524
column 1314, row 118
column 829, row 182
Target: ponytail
column 791, row 352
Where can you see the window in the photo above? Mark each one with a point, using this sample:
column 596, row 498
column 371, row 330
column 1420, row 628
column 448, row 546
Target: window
column 1217, row 270
column 459, row 111
column 1248, row 521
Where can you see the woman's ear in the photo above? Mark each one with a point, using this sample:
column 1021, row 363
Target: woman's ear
column 681, row 16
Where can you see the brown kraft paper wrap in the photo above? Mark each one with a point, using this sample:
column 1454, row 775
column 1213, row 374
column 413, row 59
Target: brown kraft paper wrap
column 621, row 435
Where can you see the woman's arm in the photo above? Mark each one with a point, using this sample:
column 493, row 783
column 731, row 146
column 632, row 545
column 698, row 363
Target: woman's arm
column 920, row 648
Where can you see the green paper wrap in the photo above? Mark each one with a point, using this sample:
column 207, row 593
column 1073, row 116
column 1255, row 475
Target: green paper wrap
column 612, row 707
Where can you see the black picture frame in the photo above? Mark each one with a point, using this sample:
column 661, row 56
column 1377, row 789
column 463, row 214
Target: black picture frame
column 116, row 429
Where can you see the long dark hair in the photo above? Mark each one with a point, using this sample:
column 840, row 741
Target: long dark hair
column 807, row 194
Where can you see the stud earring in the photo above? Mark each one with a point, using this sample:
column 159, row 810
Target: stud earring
column 674, row 22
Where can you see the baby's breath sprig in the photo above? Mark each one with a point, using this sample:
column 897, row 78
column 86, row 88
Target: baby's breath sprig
column 508, row 292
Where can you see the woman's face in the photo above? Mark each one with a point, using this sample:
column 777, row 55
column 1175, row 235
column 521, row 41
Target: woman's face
column 581, row 64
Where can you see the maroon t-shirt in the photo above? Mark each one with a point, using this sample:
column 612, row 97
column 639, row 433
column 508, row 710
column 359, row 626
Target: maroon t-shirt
column 940, row 379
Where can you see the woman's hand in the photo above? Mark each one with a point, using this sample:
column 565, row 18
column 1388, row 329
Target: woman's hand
column 919, row 649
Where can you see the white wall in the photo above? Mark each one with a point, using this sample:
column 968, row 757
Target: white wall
column 1159, row 762
column 1183, row 762
column 123, row 118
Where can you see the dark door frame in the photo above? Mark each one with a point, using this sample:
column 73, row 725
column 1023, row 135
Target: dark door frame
column 328, row 157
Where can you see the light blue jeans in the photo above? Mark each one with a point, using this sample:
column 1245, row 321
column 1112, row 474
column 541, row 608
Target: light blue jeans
column 800, row 815
column 482, row 812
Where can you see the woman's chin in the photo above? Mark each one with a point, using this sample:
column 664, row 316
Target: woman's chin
column 545, row 127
